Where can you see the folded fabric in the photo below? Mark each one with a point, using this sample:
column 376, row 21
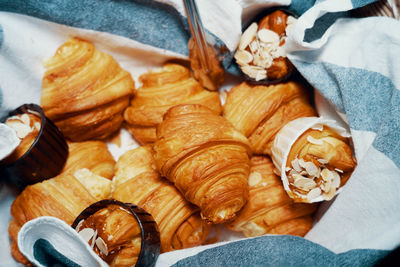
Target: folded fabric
column 48, row 241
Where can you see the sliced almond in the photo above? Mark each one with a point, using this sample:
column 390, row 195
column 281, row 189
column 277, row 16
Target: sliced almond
column 302, row 163
column 248, row 36
column 338, row 170
column 318, row 127
column 254, row 46
column 93, row 239
column 110, row 237
column 326, row 186
column 287, row 169
column 261, row 75
column 323, row 161
column 86, row 234
column 243, row 56
column 296, row 165
column 21, row 129
column 336, row 179
column 278, row 52
column 268, row 36
column 326, row 175
column 314, row 193
column 102, row 246
column 312, row 169
column 314, row 141
column 25, row 119
column 254, row 178
column 305, row 184
column 79, row 225
column 330, row 194
column 37, row 125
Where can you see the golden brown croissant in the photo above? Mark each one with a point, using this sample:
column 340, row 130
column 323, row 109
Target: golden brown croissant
column 206, row 158
column 93, row 155
column 137, row 181
column 85, row 91
column 170, row 86
column 64, row 197
column 269, row 209
column 259, row 112
column 318, row 162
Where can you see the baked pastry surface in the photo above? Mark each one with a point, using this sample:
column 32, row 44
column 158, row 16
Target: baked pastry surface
column 269, row 209
column 206, row 158
column 260, row 111
column 93, row 155
column 85, row 91
column 64, row 197
column 137, row 181
column 160, row 90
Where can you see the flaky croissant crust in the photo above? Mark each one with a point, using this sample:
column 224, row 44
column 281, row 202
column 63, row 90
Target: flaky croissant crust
column 206, row 158
column 259, row 112
column 93, row 155
column 138, row 182
column 160, row 90
column 64, row 197
column 269, row 209
column 85, row 91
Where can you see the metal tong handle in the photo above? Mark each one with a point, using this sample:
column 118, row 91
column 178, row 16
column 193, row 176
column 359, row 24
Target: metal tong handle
column 198, row 34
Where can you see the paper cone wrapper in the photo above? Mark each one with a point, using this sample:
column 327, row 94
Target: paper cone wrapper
column 288, row 135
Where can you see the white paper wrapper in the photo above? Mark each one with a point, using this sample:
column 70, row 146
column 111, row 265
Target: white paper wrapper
column 288, row 135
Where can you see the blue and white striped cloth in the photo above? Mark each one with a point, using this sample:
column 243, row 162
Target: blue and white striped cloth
column 354, row 65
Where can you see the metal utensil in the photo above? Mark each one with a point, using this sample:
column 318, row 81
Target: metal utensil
column 204, row 57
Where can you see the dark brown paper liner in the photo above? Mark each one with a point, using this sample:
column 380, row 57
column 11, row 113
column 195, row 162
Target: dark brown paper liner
column 257, row 18
column 44, row 159
column 150, row 243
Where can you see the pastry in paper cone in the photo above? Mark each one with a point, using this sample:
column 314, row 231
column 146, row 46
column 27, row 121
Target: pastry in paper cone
column 314, row 158
column 269, row 209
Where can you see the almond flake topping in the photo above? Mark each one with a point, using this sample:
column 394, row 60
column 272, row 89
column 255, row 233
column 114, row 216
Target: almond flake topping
column 338, row 170
column 243, row 56
column 102, row 246
column 248, row 36
column 336, row 179
column 314, row 193
column 323, row 161
column 314, row 141
column 268, row 36
column 296, row 165
column 86, row 234
column 79, row 225
column 254, row 178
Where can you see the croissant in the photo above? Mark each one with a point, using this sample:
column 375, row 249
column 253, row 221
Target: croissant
column 85, row 91
column 206, row 158
column 93, row 155
column 259, row 112
column 64, row 197
column 162, row 89
column 137, row 181
column 269, row 209
column 314, row 158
